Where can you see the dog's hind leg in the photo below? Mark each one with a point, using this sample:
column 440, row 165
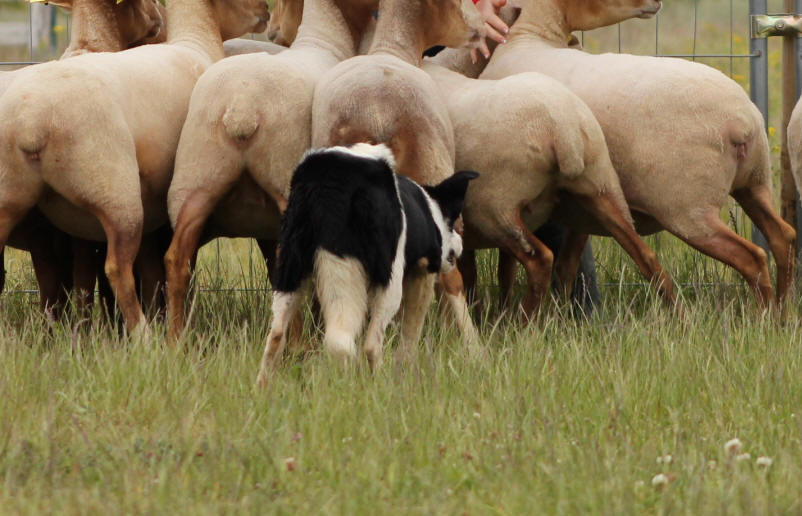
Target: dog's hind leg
column 342, row 289
column 384, row 305
column 285, row 306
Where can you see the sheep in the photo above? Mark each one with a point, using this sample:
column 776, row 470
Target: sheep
column 384, row 97
column 97, row 157
column 97, row 26
column 794, row 136
column 682, row 136
column 537, row 146
column 249, row 124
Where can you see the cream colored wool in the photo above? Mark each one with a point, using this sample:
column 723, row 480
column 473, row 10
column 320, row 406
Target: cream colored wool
column 235, row 47
column 249, row 124
column 102, row 148
column 682, row 136
column 533, row 142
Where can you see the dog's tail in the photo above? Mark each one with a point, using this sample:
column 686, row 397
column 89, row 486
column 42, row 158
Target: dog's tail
column 343, row 200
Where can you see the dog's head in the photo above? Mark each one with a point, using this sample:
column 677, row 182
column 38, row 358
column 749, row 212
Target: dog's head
column 449, row 196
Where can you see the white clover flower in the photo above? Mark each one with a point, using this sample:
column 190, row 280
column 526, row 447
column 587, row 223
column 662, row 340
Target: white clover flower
column 660, row 480
column 733, row 446
column 476, row 415
column 764, row 462
column 665, row 459
column 639, row 484
column 742, row 457
column 711, row 464
column 290, row 463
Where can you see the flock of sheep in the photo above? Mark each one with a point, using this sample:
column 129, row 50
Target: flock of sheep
column 115, row 146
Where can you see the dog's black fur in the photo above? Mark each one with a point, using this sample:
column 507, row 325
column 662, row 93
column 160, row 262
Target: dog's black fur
column 349, row 206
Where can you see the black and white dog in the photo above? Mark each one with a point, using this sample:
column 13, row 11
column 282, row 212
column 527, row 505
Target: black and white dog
column 359, row 229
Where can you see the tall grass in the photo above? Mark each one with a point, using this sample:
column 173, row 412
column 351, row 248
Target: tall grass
column 560, row 416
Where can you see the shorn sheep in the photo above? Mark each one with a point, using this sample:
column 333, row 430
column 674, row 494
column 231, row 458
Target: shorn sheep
column 98, row 156
column 249, row 124
column 354, row 226
column 96, row 26
column 536, row 145
column 384, row 97
column 682, row 136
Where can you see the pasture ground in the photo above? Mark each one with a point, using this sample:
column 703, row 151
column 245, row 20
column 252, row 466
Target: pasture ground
column 562, row 416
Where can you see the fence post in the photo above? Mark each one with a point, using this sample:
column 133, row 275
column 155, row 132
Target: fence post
column 790, row 199
column 758, row 85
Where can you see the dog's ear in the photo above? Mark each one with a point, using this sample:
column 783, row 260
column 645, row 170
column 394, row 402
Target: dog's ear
column 450, row 194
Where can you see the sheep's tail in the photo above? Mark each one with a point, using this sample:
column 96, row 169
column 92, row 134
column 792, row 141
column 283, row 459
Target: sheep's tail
column 570, row 147
column 241, row 120
column 752, row 152
column 30, row 120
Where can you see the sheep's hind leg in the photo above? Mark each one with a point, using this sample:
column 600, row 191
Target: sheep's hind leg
column 285, row 307
column 18, row 194
column 49, row 266
column 151, row 275
column 537, row 260
column 725, row 245
column 123, row 237
column 756, row 202
column 10, row 215
column 566, row 265
column 417, row 296
column 507, row 270
column 608, row 212
column 188, row 229
column 467, row 267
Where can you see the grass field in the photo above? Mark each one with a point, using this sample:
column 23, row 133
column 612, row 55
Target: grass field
column 562, row 416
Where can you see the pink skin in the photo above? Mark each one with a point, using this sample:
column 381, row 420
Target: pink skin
column 496, row 28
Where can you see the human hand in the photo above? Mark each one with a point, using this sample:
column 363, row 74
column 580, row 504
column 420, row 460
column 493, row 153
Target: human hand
column 496, row 28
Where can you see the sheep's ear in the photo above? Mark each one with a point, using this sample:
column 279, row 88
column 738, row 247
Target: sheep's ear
column 509, row 13
column 67, row 4
column 450, row 194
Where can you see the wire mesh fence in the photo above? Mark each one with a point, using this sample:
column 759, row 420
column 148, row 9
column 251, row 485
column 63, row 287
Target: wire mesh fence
column 714, row 32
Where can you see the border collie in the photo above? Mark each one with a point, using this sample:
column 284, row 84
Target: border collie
column 357, row 228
